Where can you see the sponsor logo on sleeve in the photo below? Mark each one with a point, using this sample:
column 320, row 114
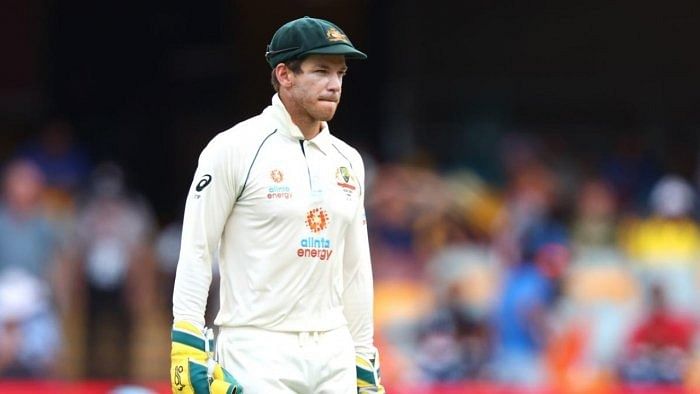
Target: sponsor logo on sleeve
column 204, row 182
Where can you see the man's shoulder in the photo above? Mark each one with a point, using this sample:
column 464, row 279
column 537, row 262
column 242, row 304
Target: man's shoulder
column 247, row 131
column 238, row 140
column 241, row 137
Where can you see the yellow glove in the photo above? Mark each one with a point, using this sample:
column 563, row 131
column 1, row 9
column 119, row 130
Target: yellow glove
column 193, row 369
column 368, row 376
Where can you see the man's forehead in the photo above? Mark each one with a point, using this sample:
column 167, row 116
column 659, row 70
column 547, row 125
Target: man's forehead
column 326, row 60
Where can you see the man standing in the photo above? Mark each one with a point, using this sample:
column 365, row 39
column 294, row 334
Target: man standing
column 282, row 200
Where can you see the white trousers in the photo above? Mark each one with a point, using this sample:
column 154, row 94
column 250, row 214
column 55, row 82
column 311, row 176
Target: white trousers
column 272, row 362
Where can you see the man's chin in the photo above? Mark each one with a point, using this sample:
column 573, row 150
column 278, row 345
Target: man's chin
column 327, row 118
column 326, row 114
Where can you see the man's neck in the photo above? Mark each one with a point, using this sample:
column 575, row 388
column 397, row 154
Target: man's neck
column 308, row 126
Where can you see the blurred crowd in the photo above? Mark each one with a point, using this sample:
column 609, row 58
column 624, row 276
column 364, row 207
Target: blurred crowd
column 570, row 274
column 79, row 286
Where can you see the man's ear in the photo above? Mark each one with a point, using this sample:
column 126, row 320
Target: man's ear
column 284, row 75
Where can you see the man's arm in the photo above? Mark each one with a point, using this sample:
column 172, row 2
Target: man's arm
column 209, row 202
column 358, row 298
column 193, row 369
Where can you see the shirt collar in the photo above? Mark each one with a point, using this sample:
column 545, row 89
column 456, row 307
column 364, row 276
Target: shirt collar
column 279, row 112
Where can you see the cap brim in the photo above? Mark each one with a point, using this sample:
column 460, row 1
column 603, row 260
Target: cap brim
column 337, row 49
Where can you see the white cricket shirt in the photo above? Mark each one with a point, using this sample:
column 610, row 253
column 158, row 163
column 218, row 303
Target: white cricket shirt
column 287, row 217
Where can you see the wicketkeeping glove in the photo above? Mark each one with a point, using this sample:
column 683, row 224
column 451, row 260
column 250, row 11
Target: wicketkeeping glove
column 368, row 376
column 193, row 369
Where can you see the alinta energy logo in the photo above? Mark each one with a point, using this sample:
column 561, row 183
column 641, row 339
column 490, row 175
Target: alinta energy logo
column 276, row 191
column 316, row 247
column 276, row 175
column 317, row 220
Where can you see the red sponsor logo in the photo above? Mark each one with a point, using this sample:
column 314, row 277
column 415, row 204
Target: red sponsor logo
column 317, row 220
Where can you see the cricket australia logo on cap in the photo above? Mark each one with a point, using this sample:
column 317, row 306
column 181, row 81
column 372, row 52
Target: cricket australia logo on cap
column 335, row 35
column 317, row 220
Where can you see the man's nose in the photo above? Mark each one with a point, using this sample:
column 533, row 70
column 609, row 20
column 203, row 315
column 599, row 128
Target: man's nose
column 336, row 81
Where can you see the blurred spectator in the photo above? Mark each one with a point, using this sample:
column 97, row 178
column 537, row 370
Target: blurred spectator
column 595, row 217
column 64, row 162
column 665, row 246
column 439, row 357
column 27, row 239
column 631, row 167
column 401, row 197
column 530, row 195
column 531, row 185
column 659, row 350
column 475, row 202
column 599, row 306
column 115, row 229
column 29, row 329
column 525, row 306
column 29, row 256
column 466, row 274
column 455, row 343
column 466, row 212
column 65, row 165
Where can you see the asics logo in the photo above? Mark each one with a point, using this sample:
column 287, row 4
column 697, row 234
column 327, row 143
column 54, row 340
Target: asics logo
column 206, row 179
column 178, row 379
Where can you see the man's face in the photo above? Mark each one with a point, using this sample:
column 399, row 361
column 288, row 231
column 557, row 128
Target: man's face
column 316, row 89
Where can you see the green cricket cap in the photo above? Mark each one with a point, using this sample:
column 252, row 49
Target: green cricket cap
column 307, row 36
